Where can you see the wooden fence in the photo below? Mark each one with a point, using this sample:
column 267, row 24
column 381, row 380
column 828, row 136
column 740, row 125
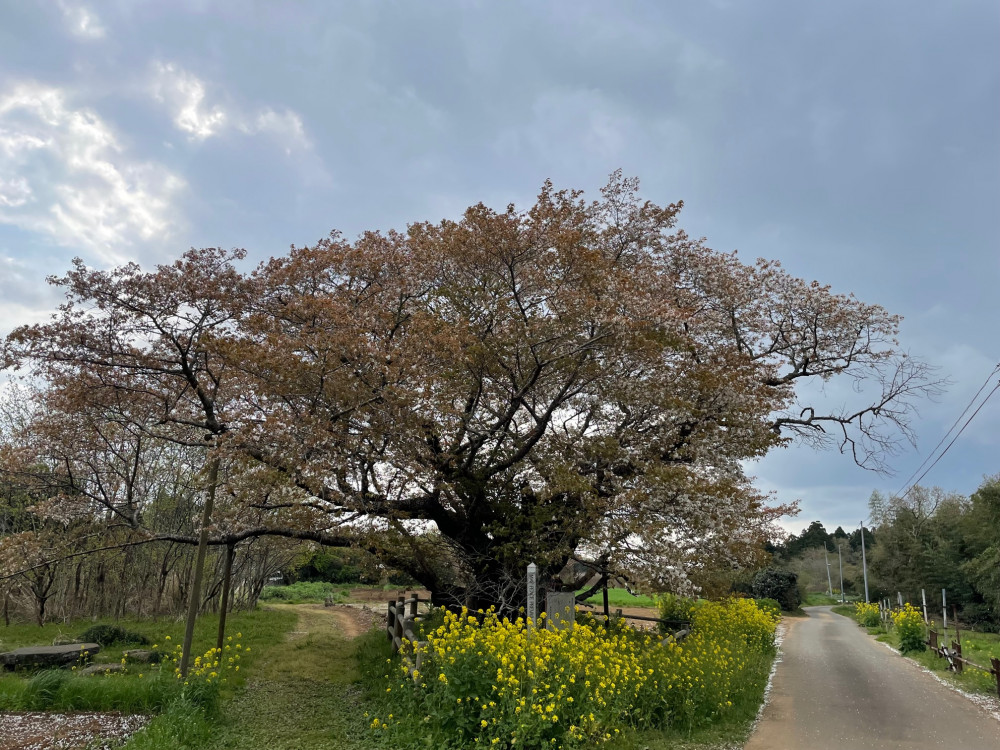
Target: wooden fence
column 676, row 627
column 401, row 618
column 954, row 655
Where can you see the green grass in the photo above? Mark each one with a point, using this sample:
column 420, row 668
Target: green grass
column 977, row 647
column 62, row 690
column 183, row 725
column 818, row 600
column 143, row 688
column 303, row 592
column 305, row 694
column 621, row 598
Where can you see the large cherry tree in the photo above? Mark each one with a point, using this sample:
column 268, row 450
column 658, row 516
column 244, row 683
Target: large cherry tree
column 579, row 379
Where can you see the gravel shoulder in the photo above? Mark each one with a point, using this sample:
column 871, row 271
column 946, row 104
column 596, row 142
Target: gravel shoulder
column 44, row 731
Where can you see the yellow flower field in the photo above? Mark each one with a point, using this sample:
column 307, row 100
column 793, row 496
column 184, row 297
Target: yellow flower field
column 489, row 681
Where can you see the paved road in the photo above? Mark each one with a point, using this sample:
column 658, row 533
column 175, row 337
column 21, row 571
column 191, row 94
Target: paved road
column 836, row 688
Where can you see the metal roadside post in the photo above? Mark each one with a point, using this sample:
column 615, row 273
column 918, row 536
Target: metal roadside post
column 829, row 583
column 923, row 598
column 944, row 611
column 864, row 562
column 840, row 557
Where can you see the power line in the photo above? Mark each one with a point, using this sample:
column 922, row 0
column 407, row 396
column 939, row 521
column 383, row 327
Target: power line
column 957, row 435
column 945, row 436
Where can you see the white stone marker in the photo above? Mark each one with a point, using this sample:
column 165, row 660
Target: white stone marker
column 532, row 595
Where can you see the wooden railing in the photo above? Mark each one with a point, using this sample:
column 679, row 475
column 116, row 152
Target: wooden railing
column 401, row 619
column 954, row 656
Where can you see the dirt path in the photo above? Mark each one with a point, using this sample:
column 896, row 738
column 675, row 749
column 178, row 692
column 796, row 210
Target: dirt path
column 316, row 619
column 836, row 688
column 303, row 694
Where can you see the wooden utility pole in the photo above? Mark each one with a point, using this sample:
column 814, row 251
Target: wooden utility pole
column 227, row 576
column 194, row 603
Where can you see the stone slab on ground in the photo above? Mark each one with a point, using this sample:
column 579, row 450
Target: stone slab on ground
column 141, row 655
column 48, row 656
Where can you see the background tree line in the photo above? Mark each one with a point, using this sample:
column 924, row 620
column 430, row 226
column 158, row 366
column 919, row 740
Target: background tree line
column 927, row 539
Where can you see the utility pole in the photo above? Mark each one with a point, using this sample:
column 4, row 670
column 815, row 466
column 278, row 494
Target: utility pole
column 864, row 560
column 194, row 604
column 829, row 583
column 840, row 558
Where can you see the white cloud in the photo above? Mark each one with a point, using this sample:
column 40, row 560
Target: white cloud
column 184, row 94
column 82, row 21
column 285, row 126
column 186, row 97
column 14, row 192
column 67, row 176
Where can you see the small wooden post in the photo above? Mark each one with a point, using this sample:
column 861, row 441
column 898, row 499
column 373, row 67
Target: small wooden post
column 408, row 623
column 390, row 619
column 957, row 648
column 995, row 662
column 607, row 613
column 958, row 635
column 932, row 640
column 413, row 602
column 397, row 631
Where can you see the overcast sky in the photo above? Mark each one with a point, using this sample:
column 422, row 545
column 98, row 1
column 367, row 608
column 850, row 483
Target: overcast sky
column 856, row 142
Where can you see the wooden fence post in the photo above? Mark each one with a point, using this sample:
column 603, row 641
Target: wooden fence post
column 390, row 621
column 996, row 671
column 397, row 630
column 957, row 648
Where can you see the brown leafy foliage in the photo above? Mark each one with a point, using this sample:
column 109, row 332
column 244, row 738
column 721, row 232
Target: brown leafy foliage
column 577, row 379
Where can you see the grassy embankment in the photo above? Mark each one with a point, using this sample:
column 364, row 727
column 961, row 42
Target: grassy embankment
column 976, row 647
column 621, row 598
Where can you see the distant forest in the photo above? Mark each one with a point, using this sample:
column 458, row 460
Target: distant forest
column 927, row 539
